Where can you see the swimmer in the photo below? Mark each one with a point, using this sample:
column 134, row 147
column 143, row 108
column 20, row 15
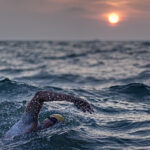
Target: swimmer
column 29, row 120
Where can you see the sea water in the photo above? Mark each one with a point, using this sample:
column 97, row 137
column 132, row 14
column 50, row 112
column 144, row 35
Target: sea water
column 114, row 77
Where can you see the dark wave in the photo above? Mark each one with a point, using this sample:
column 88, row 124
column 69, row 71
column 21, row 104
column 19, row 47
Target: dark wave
column 146, row 43
column 136, row 89
column 11, row 89
column 67, row 78
column 127, row 125
column 110, row 110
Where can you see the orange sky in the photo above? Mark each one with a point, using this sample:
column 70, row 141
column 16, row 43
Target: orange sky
column 74, row 19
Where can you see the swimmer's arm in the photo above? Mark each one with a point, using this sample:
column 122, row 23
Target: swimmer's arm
column 47, row 96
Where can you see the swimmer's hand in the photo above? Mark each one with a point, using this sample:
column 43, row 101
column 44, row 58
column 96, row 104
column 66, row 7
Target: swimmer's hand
column 83, row 105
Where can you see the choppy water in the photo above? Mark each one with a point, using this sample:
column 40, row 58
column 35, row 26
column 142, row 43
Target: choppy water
column 113, row 76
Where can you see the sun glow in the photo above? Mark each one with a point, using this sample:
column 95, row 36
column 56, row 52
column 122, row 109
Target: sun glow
column 113, row 18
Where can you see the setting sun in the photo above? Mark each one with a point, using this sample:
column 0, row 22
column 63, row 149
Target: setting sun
column 113, row 18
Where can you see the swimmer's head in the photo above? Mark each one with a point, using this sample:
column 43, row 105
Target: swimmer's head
column 58, row 117
column 51, row 120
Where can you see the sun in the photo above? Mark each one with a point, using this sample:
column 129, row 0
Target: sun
column 113, row 18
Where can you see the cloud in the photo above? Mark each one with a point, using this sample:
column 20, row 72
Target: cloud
column 82, row 7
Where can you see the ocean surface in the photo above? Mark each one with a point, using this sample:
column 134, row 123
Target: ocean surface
column 114, row 77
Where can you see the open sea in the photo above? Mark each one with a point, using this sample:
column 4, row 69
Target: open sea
column 114, row 77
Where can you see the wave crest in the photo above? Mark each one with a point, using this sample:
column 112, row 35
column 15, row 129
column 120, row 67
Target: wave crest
column 138, row 89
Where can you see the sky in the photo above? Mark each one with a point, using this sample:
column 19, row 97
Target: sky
column 74, row 20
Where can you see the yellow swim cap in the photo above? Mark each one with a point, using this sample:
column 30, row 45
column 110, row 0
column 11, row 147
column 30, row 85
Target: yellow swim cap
column 58, row 117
